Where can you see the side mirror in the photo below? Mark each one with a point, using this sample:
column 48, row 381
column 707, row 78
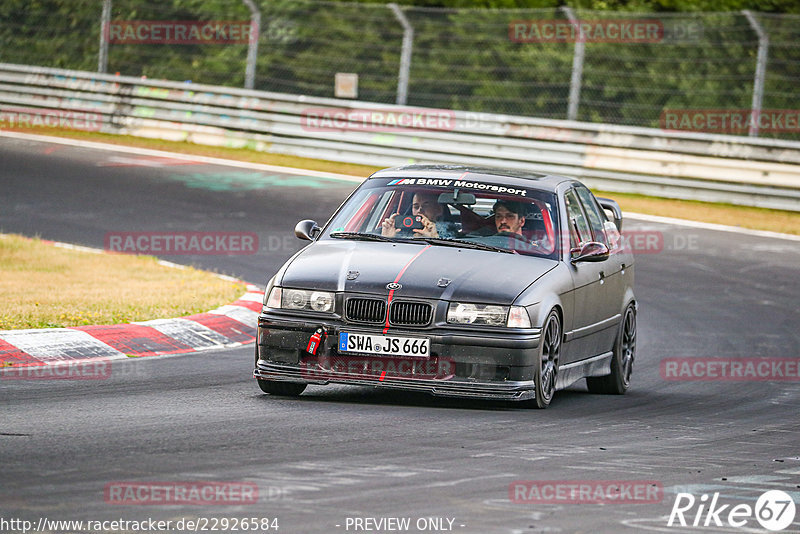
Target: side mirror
column 613, row 207
column 591, row 251
column 307, row 230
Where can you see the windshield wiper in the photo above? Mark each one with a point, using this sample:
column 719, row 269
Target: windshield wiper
column 372, row 237
column 465, row 244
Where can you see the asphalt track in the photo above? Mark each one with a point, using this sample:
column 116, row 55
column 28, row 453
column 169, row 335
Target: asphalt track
column 341, row 452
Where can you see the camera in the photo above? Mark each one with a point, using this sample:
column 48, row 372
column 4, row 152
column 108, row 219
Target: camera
column 408, row 222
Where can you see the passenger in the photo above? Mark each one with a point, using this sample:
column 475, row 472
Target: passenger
column 427, row 206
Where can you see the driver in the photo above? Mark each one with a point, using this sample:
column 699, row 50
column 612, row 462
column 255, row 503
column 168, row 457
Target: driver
column 509, row 217
column 427, row 206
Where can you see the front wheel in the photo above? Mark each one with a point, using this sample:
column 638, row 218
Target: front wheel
column 286, row 389
column 621, row 362
column 547, row 370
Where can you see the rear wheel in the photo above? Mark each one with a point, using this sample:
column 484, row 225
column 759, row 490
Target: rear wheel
column 621, row 362
column 547, row 370
column 286, row 389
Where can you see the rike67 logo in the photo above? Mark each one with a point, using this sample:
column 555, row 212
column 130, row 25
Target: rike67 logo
column 774, row 510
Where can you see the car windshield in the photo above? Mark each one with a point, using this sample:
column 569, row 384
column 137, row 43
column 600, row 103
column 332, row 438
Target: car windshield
column 487, row 216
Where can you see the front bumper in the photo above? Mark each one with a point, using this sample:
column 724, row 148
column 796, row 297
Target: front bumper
column 497, row 365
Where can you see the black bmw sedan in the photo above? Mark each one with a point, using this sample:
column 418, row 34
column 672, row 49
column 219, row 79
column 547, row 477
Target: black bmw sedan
column 457, row 281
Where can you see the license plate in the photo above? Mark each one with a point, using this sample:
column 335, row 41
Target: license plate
column 388, row 345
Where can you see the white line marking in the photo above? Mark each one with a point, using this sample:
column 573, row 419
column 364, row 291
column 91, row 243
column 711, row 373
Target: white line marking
column 468, row 479
column 228, row 278
column 77, row 247
column 166, row 263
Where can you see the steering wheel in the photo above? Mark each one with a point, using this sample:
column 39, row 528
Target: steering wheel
column 518, row 237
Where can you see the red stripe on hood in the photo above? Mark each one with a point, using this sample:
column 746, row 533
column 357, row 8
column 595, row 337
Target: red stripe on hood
column 399, row 275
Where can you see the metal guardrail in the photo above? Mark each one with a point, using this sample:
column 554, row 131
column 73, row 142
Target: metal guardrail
column 719, row 168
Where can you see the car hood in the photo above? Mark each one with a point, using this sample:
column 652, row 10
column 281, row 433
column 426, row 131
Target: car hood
column 474, row 275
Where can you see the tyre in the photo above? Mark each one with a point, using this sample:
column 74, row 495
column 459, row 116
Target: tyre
column 286, row 389
column 621, row 362
column 549, row 354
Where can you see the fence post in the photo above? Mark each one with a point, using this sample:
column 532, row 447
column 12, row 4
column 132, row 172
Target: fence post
column 577, row 67
column 761, row 72
column 252, row 46
column 405, row 54
column 105, row 22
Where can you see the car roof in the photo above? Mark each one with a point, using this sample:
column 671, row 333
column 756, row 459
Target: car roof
column 530, row 179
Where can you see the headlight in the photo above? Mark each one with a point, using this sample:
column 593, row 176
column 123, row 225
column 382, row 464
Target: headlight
column 487, row 314
column 300, row 299
column 294, row 299
column 321, row 301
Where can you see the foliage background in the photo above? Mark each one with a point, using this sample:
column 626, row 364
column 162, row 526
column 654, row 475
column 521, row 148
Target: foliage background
column 462, row 58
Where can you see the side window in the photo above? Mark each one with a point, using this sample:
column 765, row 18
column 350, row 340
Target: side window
column 378, row 212
column 579, row 231
column 594, row 213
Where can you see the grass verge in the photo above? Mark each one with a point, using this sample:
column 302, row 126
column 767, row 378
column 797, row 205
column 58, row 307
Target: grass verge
column 787, row 222
column 42, row 286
